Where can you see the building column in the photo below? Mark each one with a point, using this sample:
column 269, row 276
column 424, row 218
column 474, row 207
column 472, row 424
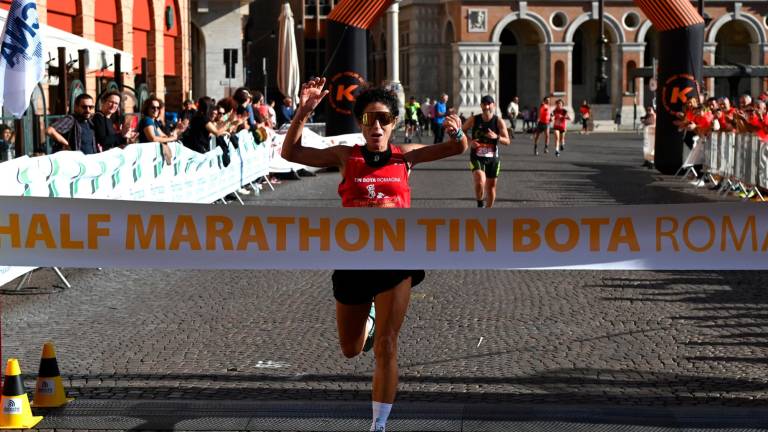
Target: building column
column 757, row 57
column 393, row 53
column 616, row 78
column 544, row 68
column 631, row 103
column 155, row 54
column 393, row 43
column 764, row 57
column 709, row 59
column 125, row 43
column 186, row 48
column 85, row 26
column 478, row 67
column 561, row 51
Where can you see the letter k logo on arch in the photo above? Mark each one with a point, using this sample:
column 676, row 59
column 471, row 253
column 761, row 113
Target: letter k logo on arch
column 678, row 89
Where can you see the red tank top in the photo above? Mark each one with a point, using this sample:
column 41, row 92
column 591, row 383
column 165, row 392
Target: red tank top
column 365, row 186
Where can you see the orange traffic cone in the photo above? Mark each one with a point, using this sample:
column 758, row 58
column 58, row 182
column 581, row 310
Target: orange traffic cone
column 49, row 391
column 16, row 411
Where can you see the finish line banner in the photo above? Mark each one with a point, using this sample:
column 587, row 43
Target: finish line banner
column 47, row 232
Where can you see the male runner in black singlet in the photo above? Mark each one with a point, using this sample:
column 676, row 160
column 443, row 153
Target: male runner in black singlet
column 487, row 132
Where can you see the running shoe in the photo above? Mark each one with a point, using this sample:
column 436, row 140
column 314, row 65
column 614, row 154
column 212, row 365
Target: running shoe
column 371, row 326
column 546, row 149
column 557, row 153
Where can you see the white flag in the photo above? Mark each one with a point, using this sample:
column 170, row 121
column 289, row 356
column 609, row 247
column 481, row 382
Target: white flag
column 21, row 57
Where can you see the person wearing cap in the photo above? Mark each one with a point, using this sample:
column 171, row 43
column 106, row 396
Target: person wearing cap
column 488, row 130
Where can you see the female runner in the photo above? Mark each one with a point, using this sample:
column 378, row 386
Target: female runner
column 373, row 175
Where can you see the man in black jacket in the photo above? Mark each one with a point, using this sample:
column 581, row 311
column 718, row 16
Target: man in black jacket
column 107, row 124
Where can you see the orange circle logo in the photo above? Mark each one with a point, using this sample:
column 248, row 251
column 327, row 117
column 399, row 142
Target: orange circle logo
column 344, row 88
column 678, row 90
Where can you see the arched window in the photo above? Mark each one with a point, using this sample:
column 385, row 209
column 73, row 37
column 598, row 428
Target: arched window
column 142, row 25
column 105, row 18
column 61, row 14
column 559, row 76
column 171, row 33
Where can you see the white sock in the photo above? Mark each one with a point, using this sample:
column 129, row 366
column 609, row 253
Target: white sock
column 380, row 413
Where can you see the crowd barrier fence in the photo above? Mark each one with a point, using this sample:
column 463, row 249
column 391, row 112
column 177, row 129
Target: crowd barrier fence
column 138, row 172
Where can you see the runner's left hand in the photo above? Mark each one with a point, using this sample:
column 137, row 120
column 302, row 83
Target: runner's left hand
column 452, row 123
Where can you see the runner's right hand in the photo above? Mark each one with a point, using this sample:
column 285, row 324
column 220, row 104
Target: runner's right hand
column 311, row 94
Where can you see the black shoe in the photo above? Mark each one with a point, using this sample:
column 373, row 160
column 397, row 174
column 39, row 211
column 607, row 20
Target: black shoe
column 480, row 204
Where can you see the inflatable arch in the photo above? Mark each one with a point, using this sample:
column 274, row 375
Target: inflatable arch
column 680, row 27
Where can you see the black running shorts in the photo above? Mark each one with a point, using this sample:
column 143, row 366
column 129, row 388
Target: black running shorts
column 353, row 287
column 542, row 127
column 491, row 166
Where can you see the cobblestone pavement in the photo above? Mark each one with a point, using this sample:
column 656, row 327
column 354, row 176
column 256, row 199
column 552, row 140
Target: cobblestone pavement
column 617, row 338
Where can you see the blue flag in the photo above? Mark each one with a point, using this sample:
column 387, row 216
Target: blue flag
column 21, row 57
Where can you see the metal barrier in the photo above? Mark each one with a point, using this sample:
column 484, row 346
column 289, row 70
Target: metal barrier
column 740, row 160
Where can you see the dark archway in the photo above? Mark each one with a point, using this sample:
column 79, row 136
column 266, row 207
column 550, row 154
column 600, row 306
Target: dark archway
column 585, row 53
column 733, row 47
column 520, row 63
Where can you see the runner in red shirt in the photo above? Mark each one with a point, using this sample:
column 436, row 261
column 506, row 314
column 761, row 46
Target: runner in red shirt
column 561, row 118
column 586, row 113
column 373, row 175
column 545, row 117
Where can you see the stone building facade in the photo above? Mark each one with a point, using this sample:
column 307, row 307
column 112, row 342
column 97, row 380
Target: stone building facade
column 468, row 48
column 219, row 45
column 155, row 30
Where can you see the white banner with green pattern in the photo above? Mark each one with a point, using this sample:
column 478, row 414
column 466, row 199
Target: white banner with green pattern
column 136, row 172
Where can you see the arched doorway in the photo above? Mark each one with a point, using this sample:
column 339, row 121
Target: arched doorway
column 198, row 62
column 733, row 47
column 651, row 53
column 586, row 49
column 142, row 26
column 519, row 63
column 445, row 75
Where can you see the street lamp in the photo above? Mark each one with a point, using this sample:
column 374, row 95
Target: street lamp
column 602, row 59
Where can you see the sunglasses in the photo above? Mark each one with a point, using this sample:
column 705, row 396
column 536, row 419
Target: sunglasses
column 384, row 118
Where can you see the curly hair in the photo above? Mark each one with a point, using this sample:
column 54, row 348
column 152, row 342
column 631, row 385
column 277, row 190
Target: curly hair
column 373, row 95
